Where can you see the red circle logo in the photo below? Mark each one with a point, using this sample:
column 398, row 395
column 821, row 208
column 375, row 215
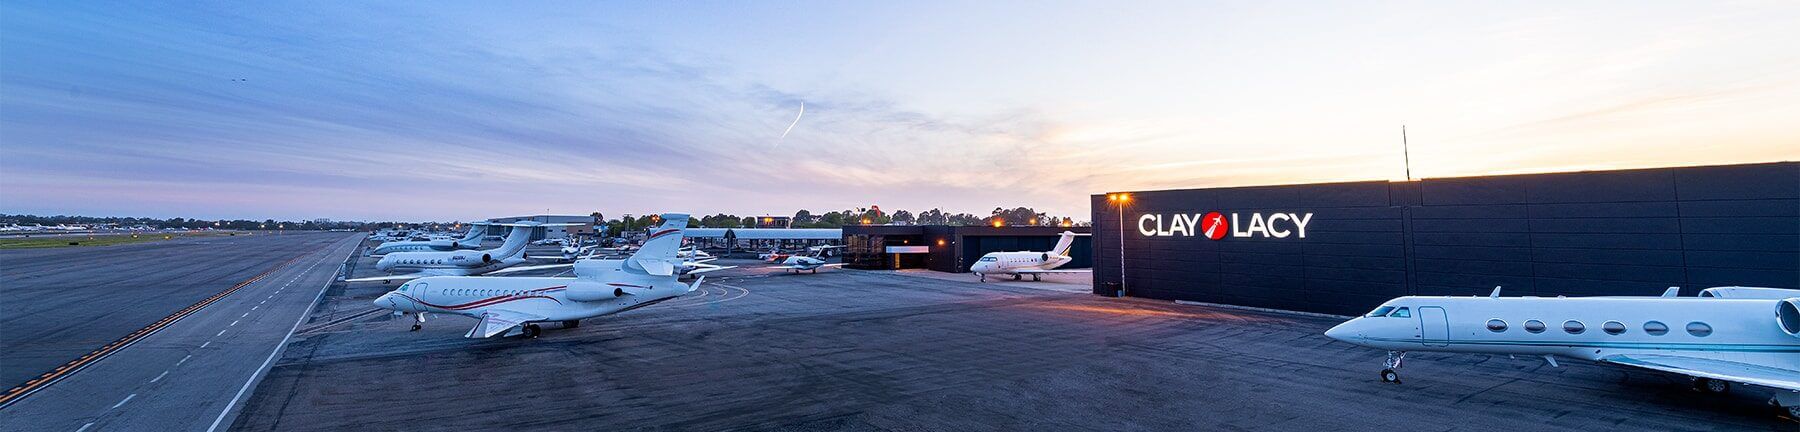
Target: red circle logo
column 1214, row 226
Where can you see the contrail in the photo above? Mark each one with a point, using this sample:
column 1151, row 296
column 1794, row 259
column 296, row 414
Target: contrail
column 796, row 120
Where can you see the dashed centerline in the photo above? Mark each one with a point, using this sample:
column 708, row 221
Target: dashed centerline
column 205, row 344
column 159, row 377
column 221, row 333
column 122, row 402
column 184, row 359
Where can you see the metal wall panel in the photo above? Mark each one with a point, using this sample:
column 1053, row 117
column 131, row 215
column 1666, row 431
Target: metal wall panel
column 1629, row 232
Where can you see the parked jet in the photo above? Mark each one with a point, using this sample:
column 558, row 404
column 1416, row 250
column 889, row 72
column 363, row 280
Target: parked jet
column 469, row 240
column 1753, row 339
column 504, row 259
column 515, row 305
column 1035, row 264
column 812, row 262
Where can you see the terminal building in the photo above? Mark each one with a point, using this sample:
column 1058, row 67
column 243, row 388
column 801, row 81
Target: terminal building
column 586, row 227
column 948, row 248
column 1343, row 248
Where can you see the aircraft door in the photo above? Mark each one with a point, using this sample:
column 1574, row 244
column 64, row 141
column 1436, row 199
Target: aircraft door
column 1434, row 326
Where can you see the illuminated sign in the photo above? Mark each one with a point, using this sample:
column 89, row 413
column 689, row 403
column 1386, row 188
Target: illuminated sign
column 1215, row 225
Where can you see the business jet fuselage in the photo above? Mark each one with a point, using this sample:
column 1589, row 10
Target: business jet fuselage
column 469, row 240
column 1716, row 340
column 1035, row 264
column 516, row 304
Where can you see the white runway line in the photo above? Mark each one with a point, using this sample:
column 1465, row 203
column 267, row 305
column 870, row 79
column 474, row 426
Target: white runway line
column 254, row 307
column 184, row 360
column 278, row 346
column 233, row 322
column 123, row 401
column 244, row 315
column 221, row 333
column 159, row 377
column 85, row 426
column 205, row 344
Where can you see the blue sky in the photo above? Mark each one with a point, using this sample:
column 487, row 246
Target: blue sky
column 468, row 110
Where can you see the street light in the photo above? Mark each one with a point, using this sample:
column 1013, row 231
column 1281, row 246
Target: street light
column 1119, row 200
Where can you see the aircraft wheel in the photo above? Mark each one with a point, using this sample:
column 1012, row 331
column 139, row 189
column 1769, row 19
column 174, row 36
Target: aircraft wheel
column 1034, row 278
column 531, row 330
column 416, row 327
column 1709, row 385
column 1794, row 412
column 571, row 323
column 1390, row 376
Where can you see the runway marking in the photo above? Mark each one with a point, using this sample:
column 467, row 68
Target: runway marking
column 254, row 307
column 85, row 426
column 184, row 359
column 233, row 323
column 221, row 333
column 159, row 377
column 122, row 402
column 284, row 340
column 35, row 384
column 205, row 344
column 244, row 315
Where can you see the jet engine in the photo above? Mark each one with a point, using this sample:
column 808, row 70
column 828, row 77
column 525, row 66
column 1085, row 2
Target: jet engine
column 470, row 258
column 1787, row 312
column 587, row 291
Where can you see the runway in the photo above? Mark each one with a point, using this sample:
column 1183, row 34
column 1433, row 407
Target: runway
column 156, row 336
column 864, row 350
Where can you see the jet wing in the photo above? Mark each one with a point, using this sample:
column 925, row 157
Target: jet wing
column 703, row 268
column 1716, row 369
column 388, row 278
column 516, row 269
column 1036, row 271
column 656, row 267
column 499, row 321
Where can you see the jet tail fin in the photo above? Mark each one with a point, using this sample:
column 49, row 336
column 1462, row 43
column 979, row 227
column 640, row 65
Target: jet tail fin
column 1064, row 243
column 657, row 256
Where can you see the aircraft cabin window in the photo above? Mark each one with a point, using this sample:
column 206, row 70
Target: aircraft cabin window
column 1496, row 325
column 1402, row 313
column 1574, row 327
column 1613, row 328
column 1699, row 329
column 1656, row 328
column 1534, row 326
column 1380, row 311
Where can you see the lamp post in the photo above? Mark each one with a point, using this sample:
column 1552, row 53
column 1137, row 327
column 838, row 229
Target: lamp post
column 1119, row 200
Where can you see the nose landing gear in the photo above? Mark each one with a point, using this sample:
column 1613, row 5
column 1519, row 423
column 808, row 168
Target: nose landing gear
column 420, row 323
column 1391, row 374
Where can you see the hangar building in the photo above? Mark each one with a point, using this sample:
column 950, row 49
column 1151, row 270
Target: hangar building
column 949, row 248
column 1343, row 248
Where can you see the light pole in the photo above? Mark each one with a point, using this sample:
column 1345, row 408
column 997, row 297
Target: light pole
column 1119, row 200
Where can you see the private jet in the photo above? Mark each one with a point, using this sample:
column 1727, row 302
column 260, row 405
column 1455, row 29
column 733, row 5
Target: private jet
column 517, row 305
column 1744, row 335
column 812, row 262
column 469, row 240
column 501, row 260
column 1036, row 264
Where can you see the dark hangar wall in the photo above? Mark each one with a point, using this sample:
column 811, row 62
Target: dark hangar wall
column 1629, row 232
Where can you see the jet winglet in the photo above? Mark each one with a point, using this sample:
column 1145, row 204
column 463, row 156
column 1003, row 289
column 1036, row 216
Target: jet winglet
column 1496, row 293
column 1672, row 292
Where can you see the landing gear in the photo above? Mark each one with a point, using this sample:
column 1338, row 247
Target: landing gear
column 1017, row 277
column 982, row 276
column 571, row 323
column 1391, row 374
column 420, row 323
column 1034, row 278
column 1709, row 385
column 531, row 331
column 815, row 271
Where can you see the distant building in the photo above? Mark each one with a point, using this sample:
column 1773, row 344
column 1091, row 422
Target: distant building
column 773, row 222
column 585, row 229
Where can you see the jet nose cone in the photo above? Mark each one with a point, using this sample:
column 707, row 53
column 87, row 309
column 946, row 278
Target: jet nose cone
column 1342, row 332
column 386, row 301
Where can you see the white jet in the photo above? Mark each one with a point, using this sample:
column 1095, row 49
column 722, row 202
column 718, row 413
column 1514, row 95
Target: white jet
column 504, row 259
column 811, row 262
column 515, row 305
column 1035, row 264
column 1728, row 334
column 469, row 240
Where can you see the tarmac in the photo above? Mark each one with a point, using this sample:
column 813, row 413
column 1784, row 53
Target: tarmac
column 759, row 349
column 153, row 336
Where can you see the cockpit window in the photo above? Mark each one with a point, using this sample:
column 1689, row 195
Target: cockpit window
column 1380, row 311
column 989, row 259
column 1401, row 313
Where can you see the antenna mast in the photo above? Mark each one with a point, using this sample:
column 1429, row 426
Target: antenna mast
column 1406, row 152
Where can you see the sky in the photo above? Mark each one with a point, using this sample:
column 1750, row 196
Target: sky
column 469, row 110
